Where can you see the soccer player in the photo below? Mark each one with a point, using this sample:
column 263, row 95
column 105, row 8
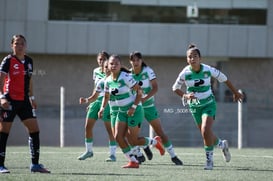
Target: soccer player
column 147, row 80
column 197, row 78
column 119, row 87
column 94, row 102
column 17, row 98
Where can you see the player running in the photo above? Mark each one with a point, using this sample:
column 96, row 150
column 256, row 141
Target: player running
column 147, row 80
column 119, row 87
column 197, row 78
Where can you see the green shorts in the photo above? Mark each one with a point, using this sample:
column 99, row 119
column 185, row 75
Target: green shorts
column 207, row 109
column 150, row 113
column 94, row 108
column 114, row 115
column 132, row 121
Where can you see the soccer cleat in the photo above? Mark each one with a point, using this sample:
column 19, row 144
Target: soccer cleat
column 159, row 145
column 85, row 155
column 225, row 151
column 208, row 165
column 148, row 152
column 140, row 159
column 131, row 165
column 38, row 168
column 177, row 161
column 3, row 169
column 111, row 158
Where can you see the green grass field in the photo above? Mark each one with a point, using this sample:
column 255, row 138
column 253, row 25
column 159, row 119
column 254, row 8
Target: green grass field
column 246, row 164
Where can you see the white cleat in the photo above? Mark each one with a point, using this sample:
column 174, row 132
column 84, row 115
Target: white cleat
column 225, row 151
column 208, row 165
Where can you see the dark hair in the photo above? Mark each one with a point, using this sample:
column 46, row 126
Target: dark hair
column 104, row 54
column 194, row 47
column 17, row 36
column 123, row 68
column 137, row 55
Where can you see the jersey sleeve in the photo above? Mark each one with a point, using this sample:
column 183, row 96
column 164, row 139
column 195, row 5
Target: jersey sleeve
column 129, row 80
column 4, row 67
column 100, row 86
column 151, row 73
column 218, row 74
column 106, row 86
column 179, row 81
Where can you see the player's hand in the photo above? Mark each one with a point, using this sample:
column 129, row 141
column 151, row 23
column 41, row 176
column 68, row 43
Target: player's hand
column 131, row 112
column 100, row 113
column 189, row 96
column 5, row 104
column 82, row 100
column 237, row 96
column 33, row 104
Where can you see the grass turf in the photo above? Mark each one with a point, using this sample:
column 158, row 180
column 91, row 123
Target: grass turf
column 246, row 164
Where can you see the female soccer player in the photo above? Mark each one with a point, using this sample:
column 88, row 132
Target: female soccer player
column 119, row 87
column 147, row 79
column 17, row 98
column 94, row 102
column 197, row 78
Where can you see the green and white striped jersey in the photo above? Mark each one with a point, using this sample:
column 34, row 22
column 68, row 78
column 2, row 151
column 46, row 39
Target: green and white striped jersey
column 199, row 82
column 120, row 90
column 100, row 87
column 144, row 78
column 97, row 75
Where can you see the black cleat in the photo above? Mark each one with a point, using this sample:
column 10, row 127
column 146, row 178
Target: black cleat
column 177, row 161
column 140, row 159
column 148, row 153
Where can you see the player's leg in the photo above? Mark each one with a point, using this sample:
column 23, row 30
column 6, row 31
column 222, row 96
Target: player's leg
column 34, row 144
column 29, row 120
column 121, row 128
column 90, row 120
column 112, row 141
column 88, row 140
column 4, row 133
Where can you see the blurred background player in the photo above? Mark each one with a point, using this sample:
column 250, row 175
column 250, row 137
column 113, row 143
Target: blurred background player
column 94, row 102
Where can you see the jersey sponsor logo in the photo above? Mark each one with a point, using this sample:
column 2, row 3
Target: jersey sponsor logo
column 198, row 82
column 114, row 91
column 16, row 66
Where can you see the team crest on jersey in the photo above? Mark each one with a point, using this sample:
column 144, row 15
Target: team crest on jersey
column 206, row 75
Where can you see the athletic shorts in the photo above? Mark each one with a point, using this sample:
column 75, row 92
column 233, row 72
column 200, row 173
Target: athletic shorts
column 150, row 113
column 94, row 108
column 199, row 111
column 21, row 108
column 131, row 121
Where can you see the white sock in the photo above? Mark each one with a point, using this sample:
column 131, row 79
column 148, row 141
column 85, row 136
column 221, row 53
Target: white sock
column 220, row 144
column 89, row 146
column 170, row 150
column 131, row 156
column 113, row 150
column 209, row 155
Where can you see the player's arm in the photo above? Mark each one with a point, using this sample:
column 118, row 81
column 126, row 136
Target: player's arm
column 153, row 91
column 89, row 99
column 104, row 103
column 31, row 94
column 4, row 101
column 237, row 96
column 138, row 91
